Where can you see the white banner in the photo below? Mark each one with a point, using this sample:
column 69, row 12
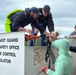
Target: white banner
column 12, row 53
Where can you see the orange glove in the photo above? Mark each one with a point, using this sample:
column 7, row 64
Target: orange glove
column 44, row 69
column 30, row 37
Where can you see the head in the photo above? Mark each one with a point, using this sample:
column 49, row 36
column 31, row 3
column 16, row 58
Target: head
column 62, row 45
column 46, row 10
column 34, row 12
column 75, row 27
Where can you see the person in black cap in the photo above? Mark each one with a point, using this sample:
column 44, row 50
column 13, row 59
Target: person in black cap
column 73, row 34
column 22, row 18
column 46, row 10
column 45, row 19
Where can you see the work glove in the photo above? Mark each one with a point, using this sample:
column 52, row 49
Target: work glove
column 44, row 69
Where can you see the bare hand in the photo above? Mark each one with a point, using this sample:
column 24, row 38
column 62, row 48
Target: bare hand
column 28, row 31
column 73, row 36
column 53, row 35
column 50, row 39
column 36, row 30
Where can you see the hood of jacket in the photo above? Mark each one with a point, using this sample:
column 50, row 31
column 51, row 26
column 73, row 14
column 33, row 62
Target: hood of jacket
column 62, row 45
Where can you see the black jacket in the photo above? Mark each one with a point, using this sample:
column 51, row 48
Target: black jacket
column 72, row 48
column 48, row 20
column 22, row 19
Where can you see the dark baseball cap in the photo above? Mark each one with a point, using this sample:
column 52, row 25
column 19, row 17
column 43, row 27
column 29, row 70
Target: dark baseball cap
column 35, row 10
column 46, row 9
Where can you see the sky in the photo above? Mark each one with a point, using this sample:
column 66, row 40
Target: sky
column 63, row 12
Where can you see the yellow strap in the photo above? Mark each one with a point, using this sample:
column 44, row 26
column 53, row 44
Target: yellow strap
column 13, row 12
column 7, row 25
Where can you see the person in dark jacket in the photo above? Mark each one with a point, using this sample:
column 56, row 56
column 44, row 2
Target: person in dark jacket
column 73, row 34
column 73, row 49
column 45, row 19
column 23, row 18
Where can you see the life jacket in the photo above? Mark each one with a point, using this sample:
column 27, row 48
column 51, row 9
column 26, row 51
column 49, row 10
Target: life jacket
column 8, row 20
column 13, row 12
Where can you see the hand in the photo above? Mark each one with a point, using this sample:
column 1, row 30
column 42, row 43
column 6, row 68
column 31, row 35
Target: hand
column 53, row 35
column 28, row 31
column 50, row 39
column 73, row 36
column 36, row 30
column 44, row 69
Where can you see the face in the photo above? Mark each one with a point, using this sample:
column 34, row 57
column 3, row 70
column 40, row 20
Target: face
column 34, row 15
column 75, row 29
column 44, row 13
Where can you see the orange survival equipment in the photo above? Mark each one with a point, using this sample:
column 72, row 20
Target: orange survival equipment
column 30, row 37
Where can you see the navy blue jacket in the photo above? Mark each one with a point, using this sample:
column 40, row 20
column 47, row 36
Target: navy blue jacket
column 48, row 20
column 22, row 19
